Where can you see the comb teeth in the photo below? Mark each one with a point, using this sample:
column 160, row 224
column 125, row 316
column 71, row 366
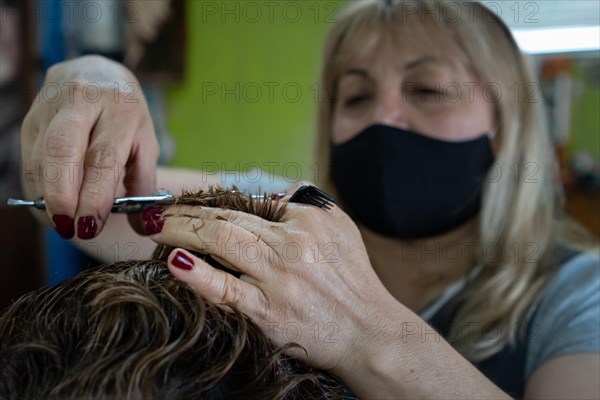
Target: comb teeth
column 312, row 195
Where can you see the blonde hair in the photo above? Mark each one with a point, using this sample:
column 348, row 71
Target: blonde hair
column 519, row 209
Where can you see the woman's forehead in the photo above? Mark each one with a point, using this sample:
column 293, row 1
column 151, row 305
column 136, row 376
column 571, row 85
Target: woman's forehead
column 394, row 46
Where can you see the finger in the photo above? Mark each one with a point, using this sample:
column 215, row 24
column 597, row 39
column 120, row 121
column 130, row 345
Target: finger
column 30, row 131
column 224, row 263
column 260, row 228
column 107, row 153
column 204, row 230
column 140, row 171
column 214, row 285
column 63, row 147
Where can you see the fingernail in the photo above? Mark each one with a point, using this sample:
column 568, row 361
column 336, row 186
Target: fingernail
column 65, row 226
column 86, row 227
column 152, row 213
column 182, row 261
column 277, row 196
column 154, row 227
column 152, row 217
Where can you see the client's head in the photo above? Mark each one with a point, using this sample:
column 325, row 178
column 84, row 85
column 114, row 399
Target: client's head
column 130, row 330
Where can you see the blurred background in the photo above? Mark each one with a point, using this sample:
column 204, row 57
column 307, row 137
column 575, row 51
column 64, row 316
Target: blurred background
column 232, row 86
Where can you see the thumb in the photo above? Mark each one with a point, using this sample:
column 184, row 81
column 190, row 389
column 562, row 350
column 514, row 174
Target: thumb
column 140, row 180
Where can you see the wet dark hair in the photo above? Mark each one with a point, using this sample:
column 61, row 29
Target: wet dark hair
column 131, row 330
column 232, row 199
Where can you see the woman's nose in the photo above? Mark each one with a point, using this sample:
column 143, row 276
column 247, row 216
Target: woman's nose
column 390, row 109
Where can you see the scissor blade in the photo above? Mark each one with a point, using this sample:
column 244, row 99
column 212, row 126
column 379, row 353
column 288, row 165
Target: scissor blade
column 129, row 205
column 120, row 204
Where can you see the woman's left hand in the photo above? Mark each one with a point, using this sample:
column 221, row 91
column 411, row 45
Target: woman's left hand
column 306, row 279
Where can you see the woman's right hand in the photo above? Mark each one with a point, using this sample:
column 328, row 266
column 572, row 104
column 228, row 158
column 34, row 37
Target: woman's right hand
column 88, row 133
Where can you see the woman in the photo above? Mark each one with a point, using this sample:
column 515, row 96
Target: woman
column 422, row 128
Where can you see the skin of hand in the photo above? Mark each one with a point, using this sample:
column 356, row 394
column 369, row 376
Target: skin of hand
column 307, row 279
column 87, row 133
column 312, row 254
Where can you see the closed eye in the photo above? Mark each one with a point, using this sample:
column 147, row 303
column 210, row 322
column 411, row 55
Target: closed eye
column 424, row 90
column 355, row 100
column 426, row 94
column 428, row 91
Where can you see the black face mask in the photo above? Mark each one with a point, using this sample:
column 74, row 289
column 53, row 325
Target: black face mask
column 403, row 184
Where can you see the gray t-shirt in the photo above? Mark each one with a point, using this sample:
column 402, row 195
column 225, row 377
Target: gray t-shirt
column 567, row 317
column 567, row 320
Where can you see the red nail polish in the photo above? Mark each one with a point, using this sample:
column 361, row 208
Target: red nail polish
column 86, row 227
column 182, row 261
column 154, row 227
column 65, row 225
column 152, row 213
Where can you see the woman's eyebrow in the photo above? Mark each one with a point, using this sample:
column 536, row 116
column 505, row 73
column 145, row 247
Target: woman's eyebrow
column 356, row 71
column 410, row 65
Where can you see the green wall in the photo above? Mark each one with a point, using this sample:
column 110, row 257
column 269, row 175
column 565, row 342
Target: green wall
column 248, row 97
column 585, row 111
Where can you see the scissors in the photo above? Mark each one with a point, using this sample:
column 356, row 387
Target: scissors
column 125, row 205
